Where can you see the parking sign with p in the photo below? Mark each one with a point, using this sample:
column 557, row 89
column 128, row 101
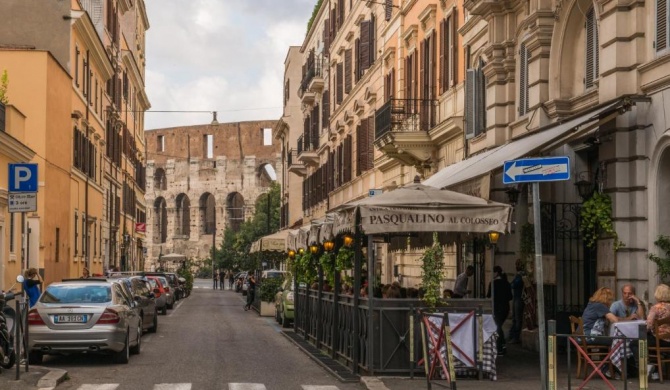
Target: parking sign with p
column 22, row 178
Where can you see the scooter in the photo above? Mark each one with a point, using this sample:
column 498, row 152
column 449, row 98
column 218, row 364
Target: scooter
column 7, row 321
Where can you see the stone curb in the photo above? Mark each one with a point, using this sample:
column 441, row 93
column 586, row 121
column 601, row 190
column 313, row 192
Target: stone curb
column 52, row 378
column 373, row 383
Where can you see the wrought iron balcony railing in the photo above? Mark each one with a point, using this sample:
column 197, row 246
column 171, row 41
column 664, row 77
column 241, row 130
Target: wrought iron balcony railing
column 405, row 115
column 300, row 145
column 313, row 69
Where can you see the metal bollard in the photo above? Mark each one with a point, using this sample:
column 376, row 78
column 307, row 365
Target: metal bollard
column 551, row 356
column 644, row 356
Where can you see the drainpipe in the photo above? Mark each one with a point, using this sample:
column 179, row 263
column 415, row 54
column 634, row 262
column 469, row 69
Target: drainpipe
column 88, row 97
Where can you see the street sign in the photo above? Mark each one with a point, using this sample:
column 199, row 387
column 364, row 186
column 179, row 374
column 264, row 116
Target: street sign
column 22, row 202
column 22, row 178
column 376, row 191
column 530, row 170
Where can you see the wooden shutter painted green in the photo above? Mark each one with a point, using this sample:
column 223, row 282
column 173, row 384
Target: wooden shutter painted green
column 523, row 80
column 592, row 65
column 347, row 71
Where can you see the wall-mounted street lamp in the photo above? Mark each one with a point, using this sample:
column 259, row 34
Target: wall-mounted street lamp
column 328, row 245
column 301, row 250
column 348, row 240
column 291, row 254
column 314, row 248
column 493, row 237
column 512, row 195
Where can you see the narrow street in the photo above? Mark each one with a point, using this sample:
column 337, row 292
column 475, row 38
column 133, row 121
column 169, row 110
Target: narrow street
column 206, row 342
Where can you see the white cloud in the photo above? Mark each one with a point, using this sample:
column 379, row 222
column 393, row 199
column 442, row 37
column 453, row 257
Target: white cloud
column 219, row 55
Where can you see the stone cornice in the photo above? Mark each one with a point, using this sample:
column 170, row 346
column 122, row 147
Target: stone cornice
column 86, row 30
column 14, row 149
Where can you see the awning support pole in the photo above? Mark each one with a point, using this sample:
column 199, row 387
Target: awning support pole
column 539, row 279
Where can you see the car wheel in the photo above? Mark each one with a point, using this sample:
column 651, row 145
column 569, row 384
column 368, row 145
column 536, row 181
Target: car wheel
column 35, row 357
column 138, row 345
column 10, row 361
column 285, row 323
column 123, row 356
column 170, row 305
column 154, row 326
column 164, row 310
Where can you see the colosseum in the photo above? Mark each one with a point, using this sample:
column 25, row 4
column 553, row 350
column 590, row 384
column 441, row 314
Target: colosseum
column 201, row 180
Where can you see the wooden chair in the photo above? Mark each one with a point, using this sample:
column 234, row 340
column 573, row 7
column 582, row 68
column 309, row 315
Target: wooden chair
column 594, row 352
column 658, row 354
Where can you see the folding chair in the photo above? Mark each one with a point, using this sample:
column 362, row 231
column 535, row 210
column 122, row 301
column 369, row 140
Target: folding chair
column 656, row 351
column 594, row 352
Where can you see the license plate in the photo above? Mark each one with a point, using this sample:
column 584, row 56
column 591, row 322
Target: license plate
column 71, row 319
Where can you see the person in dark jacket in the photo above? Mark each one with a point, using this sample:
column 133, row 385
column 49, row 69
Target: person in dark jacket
column 517, row 303
column 502, row 294
column 251, row 291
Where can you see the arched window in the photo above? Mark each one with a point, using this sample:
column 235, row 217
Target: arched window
column 160, row 180
column 183, row 222
column 235, row 210
column 207, row 213
column 160, row 221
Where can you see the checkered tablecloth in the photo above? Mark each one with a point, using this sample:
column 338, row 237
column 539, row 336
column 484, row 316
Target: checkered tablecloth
column 623, row 329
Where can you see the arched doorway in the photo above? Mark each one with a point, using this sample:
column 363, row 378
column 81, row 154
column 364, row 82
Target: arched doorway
column 235, row 210
column 160, row 180
column 207, row 213
column 160, row 221
column 662, row 191
column 183, row 215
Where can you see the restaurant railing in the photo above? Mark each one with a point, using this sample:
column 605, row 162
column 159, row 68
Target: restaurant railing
column 405, row 115
column 331, row 327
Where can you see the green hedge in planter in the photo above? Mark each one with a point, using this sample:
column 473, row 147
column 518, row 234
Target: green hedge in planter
column 269, row 288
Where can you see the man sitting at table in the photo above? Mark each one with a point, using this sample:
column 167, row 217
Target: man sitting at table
column 629, row 307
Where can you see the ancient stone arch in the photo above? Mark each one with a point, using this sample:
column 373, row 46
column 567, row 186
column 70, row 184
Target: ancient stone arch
column 207, row 213
column 182, row 215
column 160, row 180
column 235, row 210
column 160, row 225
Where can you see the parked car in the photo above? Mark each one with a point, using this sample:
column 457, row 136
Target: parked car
column 142, row 293
column 284, row 308
column 159, row 293
column 84, row 315
column 273, row 273
column 173, row 278
column 168, row 285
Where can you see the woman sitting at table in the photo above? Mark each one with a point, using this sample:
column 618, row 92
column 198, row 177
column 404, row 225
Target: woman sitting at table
column 597, row 316
column 658, row 311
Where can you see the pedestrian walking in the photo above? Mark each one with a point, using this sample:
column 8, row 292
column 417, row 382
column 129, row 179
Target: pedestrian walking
column 251, row 291
column 230, row 278
column 517, row 303
column 502, row 294
column 31, row 285
column 222, row 280
column 215, row 278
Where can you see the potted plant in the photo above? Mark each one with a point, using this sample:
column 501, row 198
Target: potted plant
column 4, row 82
column 432, row 264
column 268, row 289
column 662, row 263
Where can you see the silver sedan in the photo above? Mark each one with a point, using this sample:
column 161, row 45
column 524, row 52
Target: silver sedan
column 84, row 315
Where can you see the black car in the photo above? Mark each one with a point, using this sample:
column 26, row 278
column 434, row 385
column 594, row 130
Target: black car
column 142, row 293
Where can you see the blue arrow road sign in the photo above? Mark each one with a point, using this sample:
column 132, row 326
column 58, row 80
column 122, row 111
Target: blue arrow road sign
column 22, row 177
column 536, row 170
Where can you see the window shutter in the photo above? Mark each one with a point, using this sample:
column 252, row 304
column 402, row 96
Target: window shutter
column 357, row 60
column 365, row 45
column 306, row 134
column 340, row 9
column 315, row 127
column 339, row 81
column 371, row 139
column 423, row 66
column 373, row 41
column 431, row 66
column 470, row 76
column 591, row 50
column 360, row 147
column 443, row 50
column 326, row 38
column 388, row 9
column 340, row 165
column 661, row 25
column 523, row 80
column 453, row 49
column 347, row 158
column 347, row 71
column 325, row 112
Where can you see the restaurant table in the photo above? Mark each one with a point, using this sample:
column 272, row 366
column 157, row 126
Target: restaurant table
column 629, row 329
column 464, row 337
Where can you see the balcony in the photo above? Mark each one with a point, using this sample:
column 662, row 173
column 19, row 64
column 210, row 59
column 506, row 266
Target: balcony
column 294, row 165
column 307, row 151
column 402, row 129
column 312, row 81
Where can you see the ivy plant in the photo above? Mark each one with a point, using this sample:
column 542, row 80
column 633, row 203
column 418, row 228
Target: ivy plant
column 4, row 83
column 344, row 259
column 596, row 220
column 432, row 264
column 268, row 288
column 662, row 263
column 327, row 261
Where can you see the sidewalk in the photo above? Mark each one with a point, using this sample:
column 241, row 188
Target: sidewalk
column 37, row 378
column 519, row 369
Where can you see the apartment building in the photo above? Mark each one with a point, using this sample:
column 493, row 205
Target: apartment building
column 76, row 74
column 382, row 95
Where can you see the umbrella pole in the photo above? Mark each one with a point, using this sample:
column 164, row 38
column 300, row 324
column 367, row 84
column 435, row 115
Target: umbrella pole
column 357, row 294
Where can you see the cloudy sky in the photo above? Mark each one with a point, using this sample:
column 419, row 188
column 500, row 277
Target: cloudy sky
column 219, row 55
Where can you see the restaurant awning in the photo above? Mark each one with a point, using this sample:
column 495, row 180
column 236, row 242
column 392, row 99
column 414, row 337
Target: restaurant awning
column 547, row 138
column 272, row 242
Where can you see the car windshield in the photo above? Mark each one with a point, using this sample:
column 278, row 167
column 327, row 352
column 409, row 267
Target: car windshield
column 153, row 283
column 77, row 294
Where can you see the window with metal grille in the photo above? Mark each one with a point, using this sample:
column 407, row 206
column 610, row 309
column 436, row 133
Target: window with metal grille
column 592, row 49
